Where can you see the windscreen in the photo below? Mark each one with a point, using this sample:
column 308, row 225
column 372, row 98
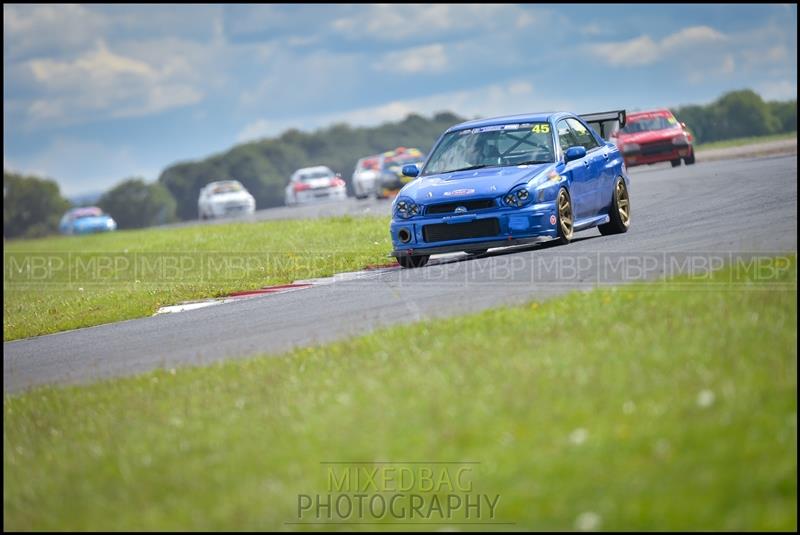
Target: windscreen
column 648, row 123
column 313, row 175
column 226, row 187
column 492, row 146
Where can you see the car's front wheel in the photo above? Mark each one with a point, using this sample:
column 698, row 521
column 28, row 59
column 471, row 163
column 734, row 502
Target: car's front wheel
column 413, row 261
column 565, row 217
column 620, row 212
column 689, row 160
column 676, row 163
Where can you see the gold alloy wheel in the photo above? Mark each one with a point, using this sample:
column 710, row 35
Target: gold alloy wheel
column 623, row 203
column 565, row 214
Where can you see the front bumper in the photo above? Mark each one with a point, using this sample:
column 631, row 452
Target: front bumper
column 515, row 226
column 232, row 210
column 646, row 155
column 321, row 194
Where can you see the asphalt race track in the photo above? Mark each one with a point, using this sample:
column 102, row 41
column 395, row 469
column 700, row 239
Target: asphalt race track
column 683, row 220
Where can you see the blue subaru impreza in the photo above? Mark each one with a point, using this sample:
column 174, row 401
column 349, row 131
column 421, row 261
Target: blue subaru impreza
column 511, row 181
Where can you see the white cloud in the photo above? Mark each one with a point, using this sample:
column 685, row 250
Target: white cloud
column 430, row 58
column 643, row 50
column 30, row 30
column 516, row 96
column 690, row 37
column 101, row 83
column 399, row 22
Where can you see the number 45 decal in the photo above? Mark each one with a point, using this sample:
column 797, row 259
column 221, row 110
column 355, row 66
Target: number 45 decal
column 541, row 128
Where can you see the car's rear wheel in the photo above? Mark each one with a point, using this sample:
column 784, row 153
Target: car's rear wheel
column 676, row 163
column 689, row 160
column 413, row 261
column 565, row 217
column 620, row 213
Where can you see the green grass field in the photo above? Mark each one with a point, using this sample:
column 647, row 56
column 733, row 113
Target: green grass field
column 738, row 142
column 62, row 283
column 649, row 406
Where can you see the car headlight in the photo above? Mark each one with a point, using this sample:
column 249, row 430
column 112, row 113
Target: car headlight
column 630, row 147
column 517, row 197
column 680, row 140
column 405, row 208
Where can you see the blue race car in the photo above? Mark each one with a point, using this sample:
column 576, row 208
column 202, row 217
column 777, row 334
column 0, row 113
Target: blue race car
column 510, row 181
column 86, row 220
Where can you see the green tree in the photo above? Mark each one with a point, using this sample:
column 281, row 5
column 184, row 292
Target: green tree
column 738, row 114
column 786, row 113
column 32, row 206
column 135, row 204
column 743, row 114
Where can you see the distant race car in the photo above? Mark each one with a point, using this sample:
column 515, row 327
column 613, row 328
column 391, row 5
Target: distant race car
column 655, row 136
column 312, row 184
column 86, row 220
column 381, row 175
column 391, row 177
column 509, row 181
column 365, row 176
column 225, row 198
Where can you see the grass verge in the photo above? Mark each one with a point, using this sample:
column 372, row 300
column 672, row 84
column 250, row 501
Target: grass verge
column 650, row 406
column 738, row 142
column 62, row 283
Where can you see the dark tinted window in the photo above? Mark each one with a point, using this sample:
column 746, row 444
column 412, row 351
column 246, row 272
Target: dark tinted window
column 565, row 137
column 582, row 135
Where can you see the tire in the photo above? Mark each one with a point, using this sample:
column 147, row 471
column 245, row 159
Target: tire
column 689, row 160
column 620, row 212
column 566, row 217
column 676, row 163
column 414, row 261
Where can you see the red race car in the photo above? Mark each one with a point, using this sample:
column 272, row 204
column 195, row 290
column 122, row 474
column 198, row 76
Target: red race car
column 655, row 136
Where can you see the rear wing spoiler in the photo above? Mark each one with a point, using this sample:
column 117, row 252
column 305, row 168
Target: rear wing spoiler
column 606, row 123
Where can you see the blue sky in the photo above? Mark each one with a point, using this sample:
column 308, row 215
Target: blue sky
column 95, row 94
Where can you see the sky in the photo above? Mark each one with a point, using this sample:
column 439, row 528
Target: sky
column 95, row 94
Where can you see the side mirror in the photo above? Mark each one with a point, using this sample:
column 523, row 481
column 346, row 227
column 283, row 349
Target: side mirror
column 574, row 153
column 683, row 125
column 410, row 170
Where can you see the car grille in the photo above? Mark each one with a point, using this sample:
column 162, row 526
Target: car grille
column 657, row 148
column 481, row 228
column 450, row 207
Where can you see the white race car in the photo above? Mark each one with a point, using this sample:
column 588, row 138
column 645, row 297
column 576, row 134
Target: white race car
column 312, row 184
column 224, row 198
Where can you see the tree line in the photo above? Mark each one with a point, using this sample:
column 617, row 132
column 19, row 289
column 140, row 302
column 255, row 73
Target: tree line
column 33, row 206
column 738, row 114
